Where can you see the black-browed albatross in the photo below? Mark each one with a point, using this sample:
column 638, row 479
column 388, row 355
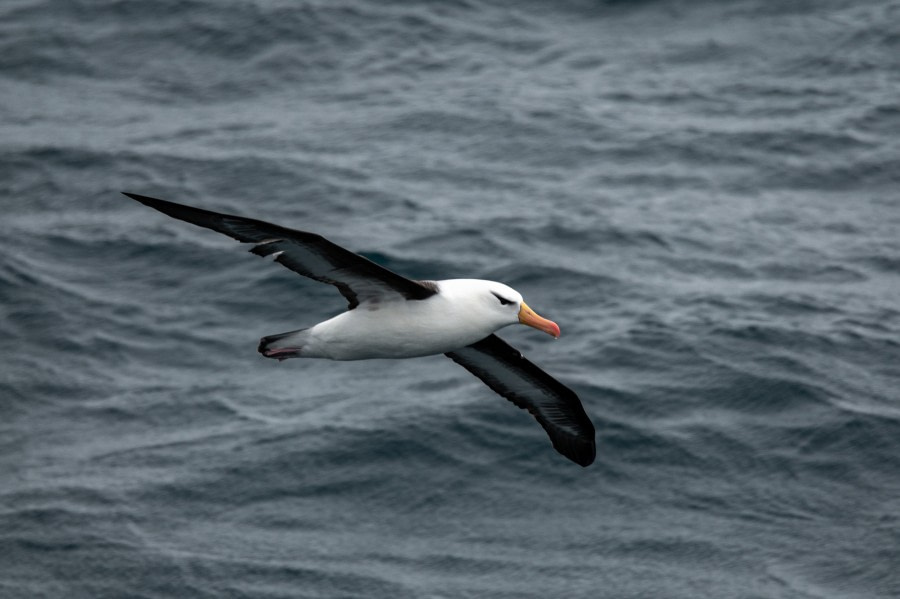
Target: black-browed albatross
column 390, row 316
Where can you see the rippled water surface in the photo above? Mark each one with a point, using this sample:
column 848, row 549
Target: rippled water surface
column 704, row 195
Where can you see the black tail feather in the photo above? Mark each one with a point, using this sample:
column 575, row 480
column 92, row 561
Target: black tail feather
column 281, row 353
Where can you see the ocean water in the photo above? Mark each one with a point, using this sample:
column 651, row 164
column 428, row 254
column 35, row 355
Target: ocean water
column 704, row 195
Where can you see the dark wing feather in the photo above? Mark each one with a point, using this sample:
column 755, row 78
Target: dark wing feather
column 555, row 406
column 357, row 278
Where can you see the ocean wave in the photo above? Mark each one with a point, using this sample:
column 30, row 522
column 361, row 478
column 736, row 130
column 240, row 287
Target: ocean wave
column 701, row 194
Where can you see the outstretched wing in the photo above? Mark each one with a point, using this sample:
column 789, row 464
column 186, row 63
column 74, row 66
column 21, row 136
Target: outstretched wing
column 357, row 278
column 554, row 406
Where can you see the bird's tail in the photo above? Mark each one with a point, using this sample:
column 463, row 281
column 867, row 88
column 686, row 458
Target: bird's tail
column 283, row 345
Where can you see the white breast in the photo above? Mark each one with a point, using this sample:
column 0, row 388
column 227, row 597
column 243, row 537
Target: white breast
column 403, row 329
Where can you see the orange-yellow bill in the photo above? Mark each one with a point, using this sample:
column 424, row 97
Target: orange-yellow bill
column 530, row 317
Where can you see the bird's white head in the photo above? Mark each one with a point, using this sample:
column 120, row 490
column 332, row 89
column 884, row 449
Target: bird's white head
column 499, row 303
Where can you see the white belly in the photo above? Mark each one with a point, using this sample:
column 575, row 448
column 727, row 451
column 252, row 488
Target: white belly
column 404, row 329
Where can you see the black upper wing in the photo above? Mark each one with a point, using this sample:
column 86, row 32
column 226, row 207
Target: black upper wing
column 555, row 406
column 357, row 278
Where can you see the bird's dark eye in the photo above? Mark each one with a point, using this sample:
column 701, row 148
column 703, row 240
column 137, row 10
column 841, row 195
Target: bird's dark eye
column 503, row 300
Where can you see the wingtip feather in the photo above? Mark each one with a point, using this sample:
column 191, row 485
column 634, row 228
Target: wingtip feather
column 148, row 201
column 137, row 196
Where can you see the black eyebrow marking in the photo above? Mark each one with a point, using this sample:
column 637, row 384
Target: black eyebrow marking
column 502, row 299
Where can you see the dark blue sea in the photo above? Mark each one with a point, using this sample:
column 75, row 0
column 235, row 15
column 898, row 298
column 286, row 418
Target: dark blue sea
column 704, row 195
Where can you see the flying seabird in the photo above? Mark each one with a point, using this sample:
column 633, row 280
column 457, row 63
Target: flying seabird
column 390, row 316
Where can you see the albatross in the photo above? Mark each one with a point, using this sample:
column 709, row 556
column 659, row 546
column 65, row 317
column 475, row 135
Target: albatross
column 391, row 316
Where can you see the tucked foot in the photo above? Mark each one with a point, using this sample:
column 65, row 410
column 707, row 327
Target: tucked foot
column 282, row 353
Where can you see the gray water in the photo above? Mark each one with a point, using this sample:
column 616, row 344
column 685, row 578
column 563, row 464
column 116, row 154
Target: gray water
column 704, row 195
